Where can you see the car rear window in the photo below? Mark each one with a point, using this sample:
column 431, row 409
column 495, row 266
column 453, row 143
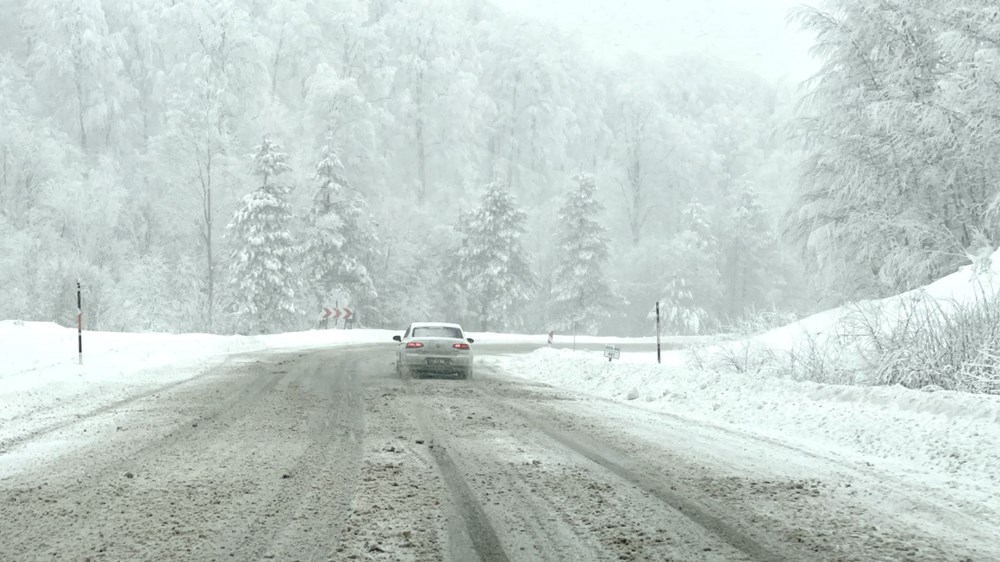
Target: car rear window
column 437, row 332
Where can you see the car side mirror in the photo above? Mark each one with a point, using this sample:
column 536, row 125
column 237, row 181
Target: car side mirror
column 397, row 338
column 471, row 340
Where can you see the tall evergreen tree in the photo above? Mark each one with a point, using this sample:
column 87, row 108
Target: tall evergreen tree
column 358, row 256
column 691, row 291
column 493, row 265
column 750, row 253
column 581, row 295
column 263, row 262
column 343, row 242
column 325, row 238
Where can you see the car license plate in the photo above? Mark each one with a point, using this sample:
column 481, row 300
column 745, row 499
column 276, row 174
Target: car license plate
column 438, row 361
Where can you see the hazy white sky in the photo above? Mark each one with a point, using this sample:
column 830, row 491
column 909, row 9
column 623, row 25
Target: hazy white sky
column 752, row 33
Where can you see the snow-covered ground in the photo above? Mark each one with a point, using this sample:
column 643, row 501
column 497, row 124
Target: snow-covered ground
column 946, row 440
column 43, row 383
column 40, row 359
column 943, row 439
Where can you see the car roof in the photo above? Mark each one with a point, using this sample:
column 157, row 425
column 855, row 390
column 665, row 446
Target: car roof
column 434, row 325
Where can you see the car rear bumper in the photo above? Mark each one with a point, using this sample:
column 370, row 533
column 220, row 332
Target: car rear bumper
column 438, row 363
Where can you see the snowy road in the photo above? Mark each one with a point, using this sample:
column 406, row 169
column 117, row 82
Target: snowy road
column 325, row 455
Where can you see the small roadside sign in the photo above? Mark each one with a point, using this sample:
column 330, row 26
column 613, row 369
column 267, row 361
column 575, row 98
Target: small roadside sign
column 612, row 352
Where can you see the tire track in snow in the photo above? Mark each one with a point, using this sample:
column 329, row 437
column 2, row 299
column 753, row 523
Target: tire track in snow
column 704, row 516
column 335, row 424
column 484, row 537
column 935, row 516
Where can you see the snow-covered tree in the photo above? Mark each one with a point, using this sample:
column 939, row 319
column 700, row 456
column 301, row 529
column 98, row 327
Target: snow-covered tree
column 582, row 295
column 342, row 241
column 902, row 153
column 493, row 265
column 533, row 121
column 436, row 98
column 358, row 255
column 322, row 248
column 74, row 53
column 691, row 289
column 750, row 271
column 658, row 156
column 194, row 150
column 263, row 270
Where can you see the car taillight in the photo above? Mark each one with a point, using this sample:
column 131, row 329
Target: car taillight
column 413, row 344
column 461, row 346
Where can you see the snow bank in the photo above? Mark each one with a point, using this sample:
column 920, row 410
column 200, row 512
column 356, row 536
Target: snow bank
column 965, row 286
column 38, row 346
column 39, row 365
column 941, row 438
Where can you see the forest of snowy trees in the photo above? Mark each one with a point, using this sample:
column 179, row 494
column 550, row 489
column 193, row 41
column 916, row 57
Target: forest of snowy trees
column 235, row 165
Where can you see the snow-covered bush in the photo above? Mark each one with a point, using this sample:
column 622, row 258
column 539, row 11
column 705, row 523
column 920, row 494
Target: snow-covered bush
column 822, row 357
column 924, row 342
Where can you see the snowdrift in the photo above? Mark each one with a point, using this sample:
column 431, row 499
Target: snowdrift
column 967, row 286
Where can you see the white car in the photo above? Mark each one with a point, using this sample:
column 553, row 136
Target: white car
column 434, row 347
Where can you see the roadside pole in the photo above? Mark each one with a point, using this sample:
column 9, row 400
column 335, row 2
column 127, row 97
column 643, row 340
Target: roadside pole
column 658, row 331
column 79, row 321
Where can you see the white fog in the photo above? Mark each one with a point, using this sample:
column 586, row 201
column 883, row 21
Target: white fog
column 755, row 35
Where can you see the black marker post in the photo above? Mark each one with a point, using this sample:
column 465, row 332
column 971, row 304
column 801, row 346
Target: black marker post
column 79, row 321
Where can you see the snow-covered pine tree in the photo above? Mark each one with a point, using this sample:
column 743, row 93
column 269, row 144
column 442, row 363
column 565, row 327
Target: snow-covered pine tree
column 358, row 257
column 581, row 294
column 493, row 265
column 691, row 290
column 340, row 251
column 750, row 270
column 321, row 251
column 263, row 261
